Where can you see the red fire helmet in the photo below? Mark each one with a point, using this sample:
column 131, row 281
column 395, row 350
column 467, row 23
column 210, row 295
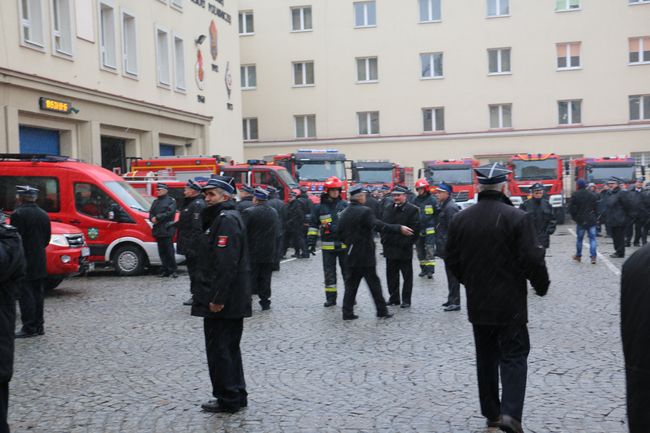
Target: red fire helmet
column 333, row 183
column 421, row 183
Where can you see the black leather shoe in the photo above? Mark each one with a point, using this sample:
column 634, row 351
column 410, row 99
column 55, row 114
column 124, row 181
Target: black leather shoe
column 422, row 274
column 405, row 305
column 617, row 256
column 493, row 424
column 265, row 307
column 215, row 407
column 24, row 334
column 389, row 302
column 385, row 315
column 452, row 307
column 446, row 304
column 189, row 301
column 350, row 317
column 329, row 304
column 510, row 425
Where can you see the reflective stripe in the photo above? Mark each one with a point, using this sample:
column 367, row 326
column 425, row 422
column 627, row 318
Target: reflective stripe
column 427, row 262
column 428, row 210
column 330, row 289
column 324, row 219
column 430, row 231
column 312, row 232
column 328, row 247
column 331, row 246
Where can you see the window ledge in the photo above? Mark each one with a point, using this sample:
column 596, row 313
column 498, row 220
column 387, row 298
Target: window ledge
column 247, row 34
column 302, row 31
column 442, row 77
column 246, row 89
column 638, row 63
column 63, row 55
column 163, row 86
column 134, row 77
column 560, row 11
column 639, row 3
column 301, row 86
column 504, row 129
column 177, row 8
column 366, row 27
column 570, row 125
column 33, row 46
column 574, row 68
column 369, row 135
column 430, row 22
column 489, row 17
column 368, row 82
column 306, row 138
column 180, row 91
column 253, row 140
column 497, row 74
column 640, row 122
column 111, row 69
column 442, row 132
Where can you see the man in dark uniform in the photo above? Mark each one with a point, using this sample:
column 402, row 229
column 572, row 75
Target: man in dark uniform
column 295, row 226
column 307, row 206
column 492, row 249
column 262, row 226
column 373, row 204
column 245, row 198
column 387, row 200
column 356, row 225
column 543, row 215
column 584, row 211
column 190, row 228
column 12, row 270
column 447, row 208
column 222, row 295
column 618, row 213
column 324, row 220
column 161, row 214
column 635, row 327
column 645, row 203
column 634, row 227
column 281, row 208
column 33, row 224
column 426, row 244
column 398, row 249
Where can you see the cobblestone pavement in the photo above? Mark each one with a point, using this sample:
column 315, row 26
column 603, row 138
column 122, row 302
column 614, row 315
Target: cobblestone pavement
column 123, row 355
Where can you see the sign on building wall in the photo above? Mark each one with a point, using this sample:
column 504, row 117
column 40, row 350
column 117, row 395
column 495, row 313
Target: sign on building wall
column 214, row 47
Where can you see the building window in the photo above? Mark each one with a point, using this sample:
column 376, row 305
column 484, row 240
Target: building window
column 162, row 57
column 570, row 112
column 501, row 116
column 498, row 8
column 368, row 122
column 62, row 26
column 301, row 19
column 365, row 14
column 31, row 23
column 246, row 25
column 248, row 75
column 179, row 64
column 640, row 107
column 107, row 36
column 303, row 73
column 129, row 40
column 430, row 11
column 306, row 126
column 178, row 4
column 367, row 70
column 638, row 2
column 640, row 50
column 499, row 61
column 250, row 129
column 567, row 5
column 431, row 65
column 433, row 119
column 568, row 55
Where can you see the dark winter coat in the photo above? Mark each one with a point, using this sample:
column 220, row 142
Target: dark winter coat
column 223, row 269
column 34, row 227
column 492, row 249
column 446, row 212
column 637, row 211
column 324, row 221
column 244, row 203
column 281, row 208
column 543, row 218
column 385, row 204
column 618, row 210
column 355, row 228
column 374, row 206
column 164, row 210
column 295, row 217
column 396, row 246
column 189, row 226
column 262, row 230
column 584, row 207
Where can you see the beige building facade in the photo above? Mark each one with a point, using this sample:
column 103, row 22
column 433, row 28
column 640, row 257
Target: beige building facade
column 106, row 80
column 415, row 80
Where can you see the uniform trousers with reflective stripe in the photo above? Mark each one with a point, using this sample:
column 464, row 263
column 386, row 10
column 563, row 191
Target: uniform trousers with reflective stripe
column 329, row 271
column 393, row 269
column 352, row 281
column 426, row 250
column 261, row 274
column 502, row 350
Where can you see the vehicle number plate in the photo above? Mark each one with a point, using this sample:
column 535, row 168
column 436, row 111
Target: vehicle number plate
column 85, row 251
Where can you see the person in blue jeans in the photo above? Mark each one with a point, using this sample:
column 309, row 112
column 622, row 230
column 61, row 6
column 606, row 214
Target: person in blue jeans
column 584, row 211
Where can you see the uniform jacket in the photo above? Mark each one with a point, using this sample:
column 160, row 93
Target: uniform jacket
column 262, row 226
column 446, row 212
column 281, row 208
column 428, row 206
column 222, row 275
column 637, row 213
column 164, row 209
column 33, row 224
column 543, row 218
column 396, row 246
column 355, row 228
column 374, row 205
column 492, row 250
column 385, row 204
column 584, row 207
column 295, row 217
column 324, row 221
column 618, row 209
column 244, row 203
column 189, row 225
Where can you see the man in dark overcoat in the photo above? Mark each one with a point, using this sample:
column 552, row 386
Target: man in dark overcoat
column 190, row 228
column 162, row 214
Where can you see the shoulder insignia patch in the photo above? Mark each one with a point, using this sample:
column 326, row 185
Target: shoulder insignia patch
column 222, row 241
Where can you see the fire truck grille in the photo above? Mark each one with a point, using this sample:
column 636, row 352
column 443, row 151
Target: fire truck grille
column 461, row 196
column 525, row 190
column 75, row 241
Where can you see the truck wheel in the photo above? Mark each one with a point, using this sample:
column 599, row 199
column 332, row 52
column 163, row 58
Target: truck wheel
column 560, row 215
column 52, row 283
column 129, row 260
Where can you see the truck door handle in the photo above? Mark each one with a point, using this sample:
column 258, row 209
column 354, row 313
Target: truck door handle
column 75, row 222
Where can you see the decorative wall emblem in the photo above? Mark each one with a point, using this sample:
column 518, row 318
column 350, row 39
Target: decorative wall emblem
column 228, row 78
column 199, row 71
column 214, row 47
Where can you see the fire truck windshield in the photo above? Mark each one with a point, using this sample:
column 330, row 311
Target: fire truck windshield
column 535, row 170
column 375, row 176
column 129, row 195
column 287, row 178
column 458, row 175
column 600, row 173
column 321, row 170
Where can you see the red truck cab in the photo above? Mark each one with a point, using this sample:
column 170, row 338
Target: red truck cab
column 376, row 173
column 598, row 170
column 459, row 173
column 260, row 173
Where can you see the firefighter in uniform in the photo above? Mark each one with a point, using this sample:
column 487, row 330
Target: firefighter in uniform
column 543, row 215
column 245, row 198
column 222, row 294
column 161, row 214
column 426, row 244
column 189, row 228
column 492, row 249
column 324, row 220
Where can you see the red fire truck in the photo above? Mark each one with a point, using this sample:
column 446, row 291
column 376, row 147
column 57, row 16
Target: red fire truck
column 375, row 173
column 598, row 170
column 260, row 173
column 312, row 167
column 459, row 173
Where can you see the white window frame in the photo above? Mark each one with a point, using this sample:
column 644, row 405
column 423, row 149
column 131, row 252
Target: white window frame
column 159, row 81
column 60, row 34
column 366, row 16
column 29, row 24
column 567, row 6
column 498, row 4
column 642, row 60
column 499, row 54
column 435, row 128
column 500, row 116
column 177, row 4
column 304, row 119
column 245, row 75
column 570, row 119
column 643, row 116
column 127, row 71
column 303, row 73
column 430, row 18
column 431, row 57
column 366, row 64
column 247, row 133
column 180, row 86
column 244, row 13
column 104, row 64
column 302, row 28
column 368, row 122
column 568, row 56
